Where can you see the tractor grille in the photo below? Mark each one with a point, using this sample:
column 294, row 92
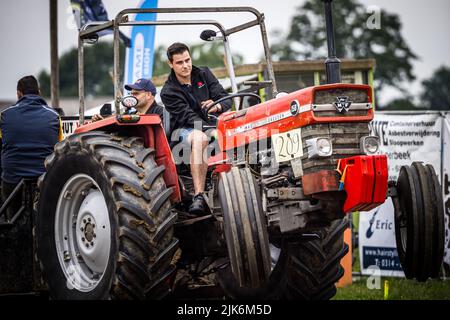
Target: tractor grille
column 345, row 143
column 324, row 103
column 329, row 96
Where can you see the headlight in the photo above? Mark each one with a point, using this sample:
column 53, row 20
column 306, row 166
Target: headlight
column 369, row 144
column 319, row 147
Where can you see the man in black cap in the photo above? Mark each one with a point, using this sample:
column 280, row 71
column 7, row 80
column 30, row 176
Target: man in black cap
column 29, row 130
column 144, row 91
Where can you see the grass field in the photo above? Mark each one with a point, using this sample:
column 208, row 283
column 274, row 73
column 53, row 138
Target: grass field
column 399, row 289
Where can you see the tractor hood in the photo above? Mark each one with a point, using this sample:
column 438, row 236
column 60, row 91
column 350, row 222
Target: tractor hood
column 319, row 104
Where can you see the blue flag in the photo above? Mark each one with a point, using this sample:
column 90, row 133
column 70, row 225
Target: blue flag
column 139, row 58
column 86, row 11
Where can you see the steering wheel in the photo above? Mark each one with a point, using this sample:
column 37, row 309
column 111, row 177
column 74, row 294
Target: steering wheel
column 231, row 96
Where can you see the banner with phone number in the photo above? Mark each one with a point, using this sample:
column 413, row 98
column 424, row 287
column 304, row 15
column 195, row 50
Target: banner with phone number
column 404, row 138
column 139, row 58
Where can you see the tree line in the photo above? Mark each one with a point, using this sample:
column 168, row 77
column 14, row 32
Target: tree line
column 305, row 39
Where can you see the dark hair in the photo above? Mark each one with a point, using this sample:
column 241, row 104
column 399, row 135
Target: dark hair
column 176, row 48
column 28, row 85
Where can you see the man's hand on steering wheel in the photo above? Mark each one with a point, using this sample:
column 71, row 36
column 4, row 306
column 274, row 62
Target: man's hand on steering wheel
column 211, row 109
column 209, row 106
column 215, row 109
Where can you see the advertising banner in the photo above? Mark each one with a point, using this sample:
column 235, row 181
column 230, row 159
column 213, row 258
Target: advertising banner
column 404, row 138
column 139, row 58
column 70, row 124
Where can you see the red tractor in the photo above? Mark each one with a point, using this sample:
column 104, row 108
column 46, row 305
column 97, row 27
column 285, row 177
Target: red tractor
column 112, row 218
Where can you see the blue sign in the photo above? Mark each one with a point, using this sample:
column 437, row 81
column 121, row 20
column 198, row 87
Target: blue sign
column 383, row 257
column 139, row 58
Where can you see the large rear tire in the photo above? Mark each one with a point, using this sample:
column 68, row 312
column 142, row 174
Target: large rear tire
column 313, row 267
column 104, row 227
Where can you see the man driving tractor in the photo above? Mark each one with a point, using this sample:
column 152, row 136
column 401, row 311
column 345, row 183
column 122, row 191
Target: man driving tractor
column 187, row 94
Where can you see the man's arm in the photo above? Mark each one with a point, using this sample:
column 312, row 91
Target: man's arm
column 216, row 90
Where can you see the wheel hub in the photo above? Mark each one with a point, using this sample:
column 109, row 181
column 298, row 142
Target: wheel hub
column 88, row 231
column 82, row 232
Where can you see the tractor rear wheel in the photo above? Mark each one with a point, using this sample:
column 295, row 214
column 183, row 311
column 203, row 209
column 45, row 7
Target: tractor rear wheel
column 104, row 227
column 313, row 267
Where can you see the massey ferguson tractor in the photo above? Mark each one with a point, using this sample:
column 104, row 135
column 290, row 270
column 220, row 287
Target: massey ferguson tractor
column 110, row 216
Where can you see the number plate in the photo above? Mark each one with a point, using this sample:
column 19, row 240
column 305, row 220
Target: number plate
column 287, row 145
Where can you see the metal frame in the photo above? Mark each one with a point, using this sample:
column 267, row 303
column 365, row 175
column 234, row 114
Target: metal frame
column 24, row 187
column 89, row 30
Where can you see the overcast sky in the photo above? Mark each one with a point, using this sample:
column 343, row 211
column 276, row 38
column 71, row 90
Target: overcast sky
column 24, row 32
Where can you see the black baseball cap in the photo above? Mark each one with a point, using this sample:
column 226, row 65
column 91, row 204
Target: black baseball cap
column 142, row 84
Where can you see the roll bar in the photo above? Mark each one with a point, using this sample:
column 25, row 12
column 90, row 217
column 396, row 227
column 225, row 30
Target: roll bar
column 89, row 31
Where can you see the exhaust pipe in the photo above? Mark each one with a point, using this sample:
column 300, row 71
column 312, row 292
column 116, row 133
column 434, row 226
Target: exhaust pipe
column 332, row 64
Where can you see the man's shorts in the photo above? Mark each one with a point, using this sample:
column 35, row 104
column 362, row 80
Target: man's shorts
column 184, row 133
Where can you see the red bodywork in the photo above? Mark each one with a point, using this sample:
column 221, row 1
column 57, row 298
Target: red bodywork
column 321, row 181
column 366, row 182
column 366, row 177
column 230, row 121
column 150, row 128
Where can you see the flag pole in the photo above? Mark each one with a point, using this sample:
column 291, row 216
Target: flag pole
column 54, row 64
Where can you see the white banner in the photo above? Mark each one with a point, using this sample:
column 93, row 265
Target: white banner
column 404, row 139
column 70, row 123
column 446, row 185
column 377, row 245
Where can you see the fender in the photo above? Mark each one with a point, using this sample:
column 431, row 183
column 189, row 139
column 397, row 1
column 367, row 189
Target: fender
column 149, row 127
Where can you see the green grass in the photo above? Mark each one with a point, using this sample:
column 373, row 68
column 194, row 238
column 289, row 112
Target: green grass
column 399, row 289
